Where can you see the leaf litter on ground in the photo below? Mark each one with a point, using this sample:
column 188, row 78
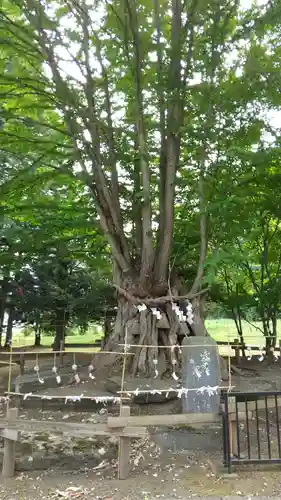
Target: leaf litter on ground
column 71, row 492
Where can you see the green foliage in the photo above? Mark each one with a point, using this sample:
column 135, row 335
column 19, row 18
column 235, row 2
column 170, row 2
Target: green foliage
column 70, row 122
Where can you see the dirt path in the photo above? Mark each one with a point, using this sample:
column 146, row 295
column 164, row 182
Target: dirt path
column 173, row 463
column 151, row 483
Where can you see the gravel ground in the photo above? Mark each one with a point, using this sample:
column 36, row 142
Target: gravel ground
column 134, row 489
column 173, row 464
column 164, row 477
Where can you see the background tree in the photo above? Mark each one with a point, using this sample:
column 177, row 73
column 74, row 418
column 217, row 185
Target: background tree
column 52, row 256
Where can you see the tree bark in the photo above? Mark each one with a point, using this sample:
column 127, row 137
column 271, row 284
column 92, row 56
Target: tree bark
column 143, row 332
column 170, row 150
column 198, row 328
column 2, row 314
column 3, row 298
column 147, row 257
column 9, row 331
column 60, row 329
column 140, row 332
column 37, row 341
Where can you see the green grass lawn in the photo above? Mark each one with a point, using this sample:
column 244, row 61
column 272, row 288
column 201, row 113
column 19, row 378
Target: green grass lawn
column 19, row 340
column 225, row 330
column 219, row 329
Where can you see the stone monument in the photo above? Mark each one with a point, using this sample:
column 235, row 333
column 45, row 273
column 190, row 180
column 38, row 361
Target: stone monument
column 201, row 375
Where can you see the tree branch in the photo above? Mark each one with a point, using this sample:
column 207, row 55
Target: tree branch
column 68, row 101
column 108, row 198
column 110, row 131
column 203, row 235
column 172, row 144
column 204, row 153
column 136, row 206
column 9, row 23
column 147, row 258
column 162, row 123
column 113, row 241
column 189, row 26
column 157, row 301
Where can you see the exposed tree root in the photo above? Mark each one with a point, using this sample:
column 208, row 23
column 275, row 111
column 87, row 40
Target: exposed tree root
column 149, row 337
column 154, row 302
column 236, row 370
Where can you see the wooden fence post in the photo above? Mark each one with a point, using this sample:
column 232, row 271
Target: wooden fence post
column 10, row 438
column 124, row 449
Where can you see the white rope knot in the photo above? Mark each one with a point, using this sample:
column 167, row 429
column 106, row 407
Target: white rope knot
column 249, row 353
column 40, row 379
column 141, row 307
column 182, row 392
column 190, row 319
column 155, row 362
column 154, row 391
column 156, row 313
column 90, row 371
column 72, row 398
column 208, row 389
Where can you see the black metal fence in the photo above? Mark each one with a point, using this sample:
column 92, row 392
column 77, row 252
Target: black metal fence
column 251, row 428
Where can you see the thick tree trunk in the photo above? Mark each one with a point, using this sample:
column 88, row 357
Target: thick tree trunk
column 2, row 314
column 198, row 327
column 37, row 341
column 150, row 327
column 274, row 330
column 271, row 338
column 141, row 331
column 9, row 331
column 107, row 329
column 3, row 298
column 60, row 329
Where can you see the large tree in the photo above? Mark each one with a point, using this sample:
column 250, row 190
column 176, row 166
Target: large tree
column 138, row 98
